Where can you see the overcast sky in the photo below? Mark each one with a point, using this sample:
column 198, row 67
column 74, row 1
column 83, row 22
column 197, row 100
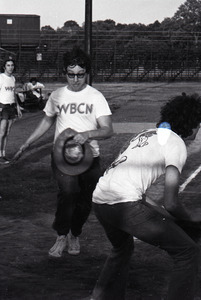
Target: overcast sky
column 56, row 12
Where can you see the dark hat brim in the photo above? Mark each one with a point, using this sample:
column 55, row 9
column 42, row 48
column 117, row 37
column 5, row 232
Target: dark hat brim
column 61, row 163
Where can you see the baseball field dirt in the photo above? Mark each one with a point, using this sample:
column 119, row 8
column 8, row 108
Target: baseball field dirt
column 28, row 203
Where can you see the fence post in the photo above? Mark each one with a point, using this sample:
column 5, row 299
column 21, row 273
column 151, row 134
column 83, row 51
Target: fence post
column 88, row 32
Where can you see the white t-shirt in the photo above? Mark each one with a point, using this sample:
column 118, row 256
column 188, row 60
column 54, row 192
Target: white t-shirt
column 31, row 87
column 77, row 110
column 7, row 89
column 136, row 168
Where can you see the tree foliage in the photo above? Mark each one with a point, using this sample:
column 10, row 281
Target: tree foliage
column 169, row 44
column 188, row 16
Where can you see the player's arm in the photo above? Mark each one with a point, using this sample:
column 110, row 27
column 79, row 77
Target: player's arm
column 40, row 130
column 104, row 131
column 172, row 201
column 40, row 85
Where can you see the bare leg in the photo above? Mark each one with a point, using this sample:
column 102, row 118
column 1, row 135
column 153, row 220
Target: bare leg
column 5, row 127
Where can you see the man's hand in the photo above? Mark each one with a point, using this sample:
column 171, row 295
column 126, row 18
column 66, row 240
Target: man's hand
column 81, row 137
column 150, row 203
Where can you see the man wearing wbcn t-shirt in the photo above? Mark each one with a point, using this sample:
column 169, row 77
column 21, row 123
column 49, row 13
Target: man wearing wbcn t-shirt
column 9, row 108
column 84, row 109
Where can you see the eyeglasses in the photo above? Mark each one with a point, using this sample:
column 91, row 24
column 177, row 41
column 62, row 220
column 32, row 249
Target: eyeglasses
column 79, row 75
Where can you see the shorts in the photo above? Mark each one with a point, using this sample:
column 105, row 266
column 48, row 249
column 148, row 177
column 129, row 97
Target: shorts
column 8, row 111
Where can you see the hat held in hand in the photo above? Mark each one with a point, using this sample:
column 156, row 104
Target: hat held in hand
column 70, row 157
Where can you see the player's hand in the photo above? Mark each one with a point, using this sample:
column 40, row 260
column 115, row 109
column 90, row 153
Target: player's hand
column 19, row 153
column 81, row 137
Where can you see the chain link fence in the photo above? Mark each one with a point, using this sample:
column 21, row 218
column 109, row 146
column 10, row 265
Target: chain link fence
column 116, row 55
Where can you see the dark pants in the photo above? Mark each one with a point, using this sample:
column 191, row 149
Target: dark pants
column 74, row 199
column 125, row 220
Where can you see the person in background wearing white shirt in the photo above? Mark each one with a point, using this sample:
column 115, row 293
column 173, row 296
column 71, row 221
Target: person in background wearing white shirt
column 9, row 107
column 35, row 87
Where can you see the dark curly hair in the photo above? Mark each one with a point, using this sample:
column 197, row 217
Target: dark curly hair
column 183, row 113
column 77, row 57
column 33, row 79
column 9, row 58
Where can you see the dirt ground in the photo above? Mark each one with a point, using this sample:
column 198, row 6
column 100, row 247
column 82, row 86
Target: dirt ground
column 28, row 204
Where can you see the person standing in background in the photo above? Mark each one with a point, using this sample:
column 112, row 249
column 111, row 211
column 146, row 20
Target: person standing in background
column 9, row 107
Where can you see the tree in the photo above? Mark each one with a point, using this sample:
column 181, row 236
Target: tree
column 155, row 26
column 71, row 24
column 104, row 25
column 70, row 27
column 47, row 28
column 188, row 17
column 189, row 13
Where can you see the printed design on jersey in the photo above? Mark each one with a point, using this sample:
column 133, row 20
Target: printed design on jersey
column 72, row 108
column 141, row 141
column 9, row 88
column 116, row 162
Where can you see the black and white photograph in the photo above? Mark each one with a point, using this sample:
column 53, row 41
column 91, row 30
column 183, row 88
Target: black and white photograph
column 100, row 150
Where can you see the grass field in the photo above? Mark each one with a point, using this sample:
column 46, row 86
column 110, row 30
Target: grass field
column 28, row 204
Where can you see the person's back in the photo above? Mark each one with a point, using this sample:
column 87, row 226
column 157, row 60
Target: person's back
column 144, row 160
column 121, row 205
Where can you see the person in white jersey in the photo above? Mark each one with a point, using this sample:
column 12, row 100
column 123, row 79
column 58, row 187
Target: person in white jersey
column 121, row 206
column 35, row 87
column 9, row 107
column 84, row 109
